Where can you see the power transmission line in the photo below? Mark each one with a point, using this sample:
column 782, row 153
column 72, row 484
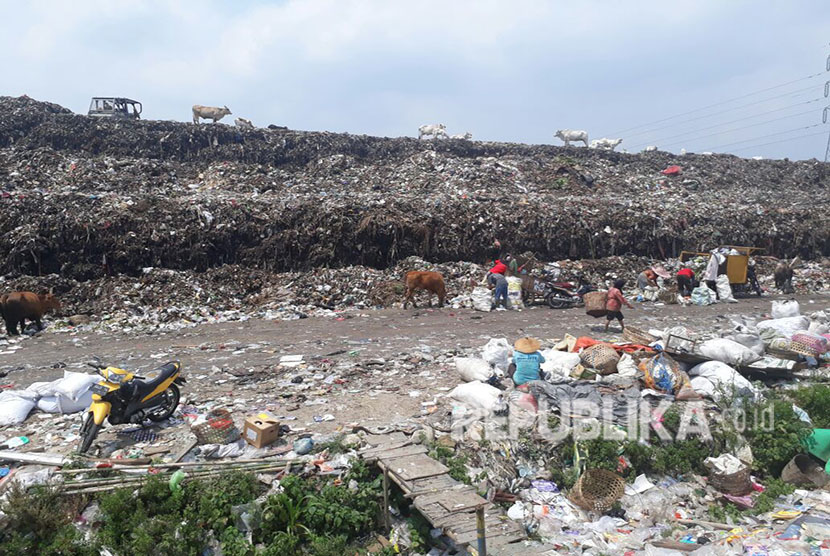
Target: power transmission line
column 764, row 136
column 691, row 139
column 779, row 141
column 753, row 103
column 658, row 141
column 720, row 103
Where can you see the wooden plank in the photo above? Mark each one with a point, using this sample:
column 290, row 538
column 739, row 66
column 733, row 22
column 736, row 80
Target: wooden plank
column 519, row 548
column 183, row 452
column 373, row 451
column 428, row 485
column 470, row 537
column 401, row 452
column 27, row 457
column 445, row 495
column 463, row 500
column 417, row 467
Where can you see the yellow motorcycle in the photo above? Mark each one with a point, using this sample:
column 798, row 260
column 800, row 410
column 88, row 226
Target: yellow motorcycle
column 124, row 397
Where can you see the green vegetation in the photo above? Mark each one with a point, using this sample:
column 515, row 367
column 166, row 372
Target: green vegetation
column 815, row 400
column 457, row 463
column 309, row 516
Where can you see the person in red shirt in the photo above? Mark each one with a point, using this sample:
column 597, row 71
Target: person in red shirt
column 498, row 268
column 614, row 304
column 685, row 281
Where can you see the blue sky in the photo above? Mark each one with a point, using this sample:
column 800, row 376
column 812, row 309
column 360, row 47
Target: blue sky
column 506, row 71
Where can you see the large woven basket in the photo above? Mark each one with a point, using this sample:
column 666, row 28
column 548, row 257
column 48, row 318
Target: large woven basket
column 637, row 336
column 597, row 490
column 218, row 429
column 736, row 484
column 601, row 357
column 595, row 303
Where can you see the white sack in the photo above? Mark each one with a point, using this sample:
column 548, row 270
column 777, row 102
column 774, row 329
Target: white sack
column 514, row 292
column 482, row 299
column 818, row 328
column 67, row 405
column 14, row 409
column 75, row 385
column 784, row 327
column 626, row 366
column 783, row 309
column 704, row 387
column 725, row 380
column 724, row 289
column 748, row 340
column 43, row 388
column 702, row 295
column 728, row 351
column 476, row 394
column 49, row 404
column 497, row 352
column 471, row 368
column 559, row 363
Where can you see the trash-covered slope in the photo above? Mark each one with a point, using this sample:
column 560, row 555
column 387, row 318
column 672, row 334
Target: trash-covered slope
column 87, row 197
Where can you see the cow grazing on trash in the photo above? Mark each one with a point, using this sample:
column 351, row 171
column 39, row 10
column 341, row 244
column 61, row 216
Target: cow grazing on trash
column 466, row 136
column 243, row 123
column 432, row 282
column 209, row 113
column 606, row 144
column 568, row 135
column 650, row 149
column 433, row 130
column 17, row 307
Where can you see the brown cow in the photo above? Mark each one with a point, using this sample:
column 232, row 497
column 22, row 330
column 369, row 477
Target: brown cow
column 432, row 282
column 19, row 306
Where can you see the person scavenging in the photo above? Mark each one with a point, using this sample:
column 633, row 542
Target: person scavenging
column 710, row 275
column 497, row 281
column 685, row 281
column 527, row 361
column 614, row 304
column 645, row 279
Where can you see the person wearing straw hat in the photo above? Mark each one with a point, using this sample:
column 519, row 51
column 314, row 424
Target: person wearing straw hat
column 526, row 360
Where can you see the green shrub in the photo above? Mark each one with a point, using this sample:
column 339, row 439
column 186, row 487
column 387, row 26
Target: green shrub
column 815, row 400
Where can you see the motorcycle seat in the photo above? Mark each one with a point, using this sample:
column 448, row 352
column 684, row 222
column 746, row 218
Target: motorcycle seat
column 151, row 380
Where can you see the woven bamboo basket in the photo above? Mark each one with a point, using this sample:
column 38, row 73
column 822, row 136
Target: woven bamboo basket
column 736, row 484
column 595, row 303
column 601, row 357
column 597, row 490
column 218, row 429
column 637, row 336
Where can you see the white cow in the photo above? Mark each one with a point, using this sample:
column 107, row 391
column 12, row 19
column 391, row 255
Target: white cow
column 243, row 123
column 605, row 144
column 434, row 130
column 467, row 136
column 209, row 113
column 568, row 135
column 757, row 158
column 650, row 149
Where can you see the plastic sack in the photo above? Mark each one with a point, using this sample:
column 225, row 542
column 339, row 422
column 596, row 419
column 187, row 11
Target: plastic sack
column 497, row 353
column 471, row 368
column 626, row 366
column 49, row 404
column 662, row 373
column 514, row 292
column 74, row 385
column 724, row 381
column 784, row 309
column 724, row 289
column 702, row 295
column 783, row 327
column 650, row 293
column 559, row 363
column 482, row 299
column 68, row 405
column 14, row 409
column 728, row 351
column 749, row 341
column 476, row 394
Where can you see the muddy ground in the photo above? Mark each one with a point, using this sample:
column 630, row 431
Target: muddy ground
column 375, row 368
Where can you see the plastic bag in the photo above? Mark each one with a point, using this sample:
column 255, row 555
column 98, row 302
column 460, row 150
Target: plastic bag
column 471, row 368
column 626, row 366
column 749, row 341
column 728, row 351
column 784, row 327
column 724, row 289
column 476, row 394
column 702, row 295
column 482, row 299
column 559, row 363
column 14, row 409
column 784, row 309
column 497, row 353
column 661, row 373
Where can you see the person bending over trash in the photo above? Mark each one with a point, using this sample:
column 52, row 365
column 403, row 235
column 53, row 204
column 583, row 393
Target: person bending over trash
column 526, row 361
column 500, row 283
column 685, row 281
column 646, row 278
column 615, row 303
column 498, row 268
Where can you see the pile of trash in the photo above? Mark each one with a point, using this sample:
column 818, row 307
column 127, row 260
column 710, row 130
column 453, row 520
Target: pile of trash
column 88, row 198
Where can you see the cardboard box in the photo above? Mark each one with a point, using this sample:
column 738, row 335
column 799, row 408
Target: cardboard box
column 261, row 429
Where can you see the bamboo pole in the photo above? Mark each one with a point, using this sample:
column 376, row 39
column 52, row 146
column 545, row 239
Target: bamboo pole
column 220, row 463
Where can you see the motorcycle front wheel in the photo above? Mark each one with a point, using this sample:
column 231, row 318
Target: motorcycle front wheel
column 555, row 302
column 167, row 406
column 89, row 430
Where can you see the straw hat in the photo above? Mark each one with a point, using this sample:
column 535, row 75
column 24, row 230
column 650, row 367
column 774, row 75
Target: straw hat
column 527, row 345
